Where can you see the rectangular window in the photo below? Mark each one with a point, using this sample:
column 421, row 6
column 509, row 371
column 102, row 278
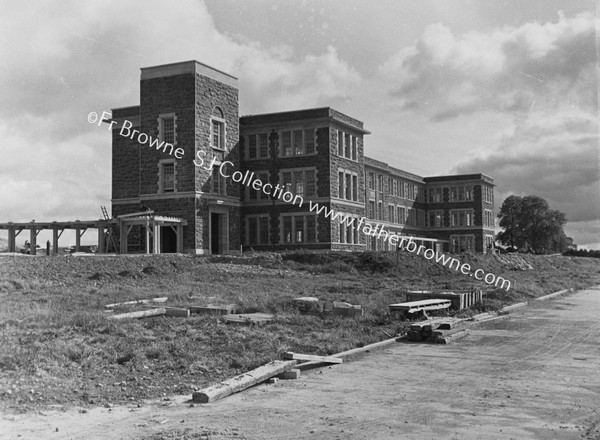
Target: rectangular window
column 348, row 187
column 461, row 217
column 380, row 211
column 298, row 146
column 462, row 243
column 218, row 134
column 299, row 229
column 252, row 146
column 218, row 183
column 287, row 181
column 348, row 145
column 340, row 139
column 300, row 182
column 371, row 210
column 287, row 229
column 390, row 186
column 342, row 233
column 391, row 215
column 355, row 188
column 354, row 149
column 167, row 129
column 286, row 142
column 263, row 145
column 311, row 229
column 168, row 177
column 309, row 135
column 379, row 183
column 402, row 215
column 341, row 184
column 311, row 185
column 371, row 181
column 435, row 219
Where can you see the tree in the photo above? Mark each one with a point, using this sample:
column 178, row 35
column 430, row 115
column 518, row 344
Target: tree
column 529, row 223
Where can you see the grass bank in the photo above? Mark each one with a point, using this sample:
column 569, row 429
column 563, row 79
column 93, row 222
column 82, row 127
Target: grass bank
column 58, row 348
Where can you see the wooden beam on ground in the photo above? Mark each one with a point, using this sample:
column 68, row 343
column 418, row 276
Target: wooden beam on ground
column 211, row 309
column 248, row 318
column 162, row 299
column 352, row 352
column 140, row 314
column 241, row 382
column 288, row 355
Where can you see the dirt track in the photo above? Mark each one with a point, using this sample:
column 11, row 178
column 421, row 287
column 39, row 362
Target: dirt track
column 534, row 374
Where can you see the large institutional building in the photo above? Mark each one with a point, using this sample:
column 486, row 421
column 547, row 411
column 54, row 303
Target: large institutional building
column 170, row 193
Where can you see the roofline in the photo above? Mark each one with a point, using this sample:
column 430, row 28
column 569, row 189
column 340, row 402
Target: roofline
column 313, row 109
column 187, row 62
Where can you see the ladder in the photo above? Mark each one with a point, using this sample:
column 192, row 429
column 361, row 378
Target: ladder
column 111, row 231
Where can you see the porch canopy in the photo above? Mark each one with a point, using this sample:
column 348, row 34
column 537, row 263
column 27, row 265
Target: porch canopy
column 153, row 224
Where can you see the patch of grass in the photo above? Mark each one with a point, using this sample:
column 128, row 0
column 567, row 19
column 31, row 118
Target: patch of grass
column 55, row 336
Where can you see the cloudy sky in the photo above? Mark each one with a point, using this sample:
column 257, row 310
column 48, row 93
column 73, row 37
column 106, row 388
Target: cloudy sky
column 504, row 87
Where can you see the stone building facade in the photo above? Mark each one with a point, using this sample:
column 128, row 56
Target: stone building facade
column 315, row 154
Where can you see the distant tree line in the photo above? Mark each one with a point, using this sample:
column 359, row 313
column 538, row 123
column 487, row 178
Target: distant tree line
column 582, row 253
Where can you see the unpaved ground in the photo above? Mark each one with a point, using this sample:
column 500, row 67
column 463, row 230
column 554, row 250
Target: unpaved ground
column 534, row 374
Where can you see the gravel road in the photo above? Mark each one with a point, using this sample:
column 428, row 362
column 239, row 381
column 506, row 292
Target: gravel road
column 531, row 375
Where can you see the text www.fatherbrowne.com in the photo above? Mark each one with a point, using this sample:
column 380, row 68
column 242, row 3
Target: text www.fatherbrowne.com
column 280, row 192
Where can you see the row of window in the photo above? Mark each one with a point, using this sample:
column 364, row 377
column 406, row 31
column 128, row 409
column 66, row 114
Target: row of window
column 488, row 219
column 396, row 187
column 458, row 218
column 347, row 145
column 167, row 129
column 298, row 142
column 302, row 228
column 459, row 193
column 462, row 243
column 348, row 185
column 487, row 194
column 349, row 233
column 400, row 215
column 295, row 229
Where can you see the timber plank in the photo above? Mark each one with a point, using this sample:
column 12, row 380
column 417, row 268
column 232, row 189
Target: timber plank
column 140, row 314
column 288, row 355
column 241, row 382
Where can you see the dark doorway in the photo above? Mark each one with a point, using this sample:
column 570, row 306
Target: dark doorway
column 214, row 233
column 168, row 240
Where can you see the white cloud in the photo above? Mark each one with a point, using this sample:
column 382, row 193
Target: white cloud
column 63, row 61
column 507, row 70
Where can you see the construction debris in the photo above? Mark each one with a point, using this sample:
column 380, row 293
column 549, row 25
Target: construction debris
column 459, row 300
column 288, row 355
column 140, row 314
column 248, row 318
column 440, row 330
column 310, row 304
column 423, row 306
column 211, row 309
column 241, row 382
column 138, row 301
